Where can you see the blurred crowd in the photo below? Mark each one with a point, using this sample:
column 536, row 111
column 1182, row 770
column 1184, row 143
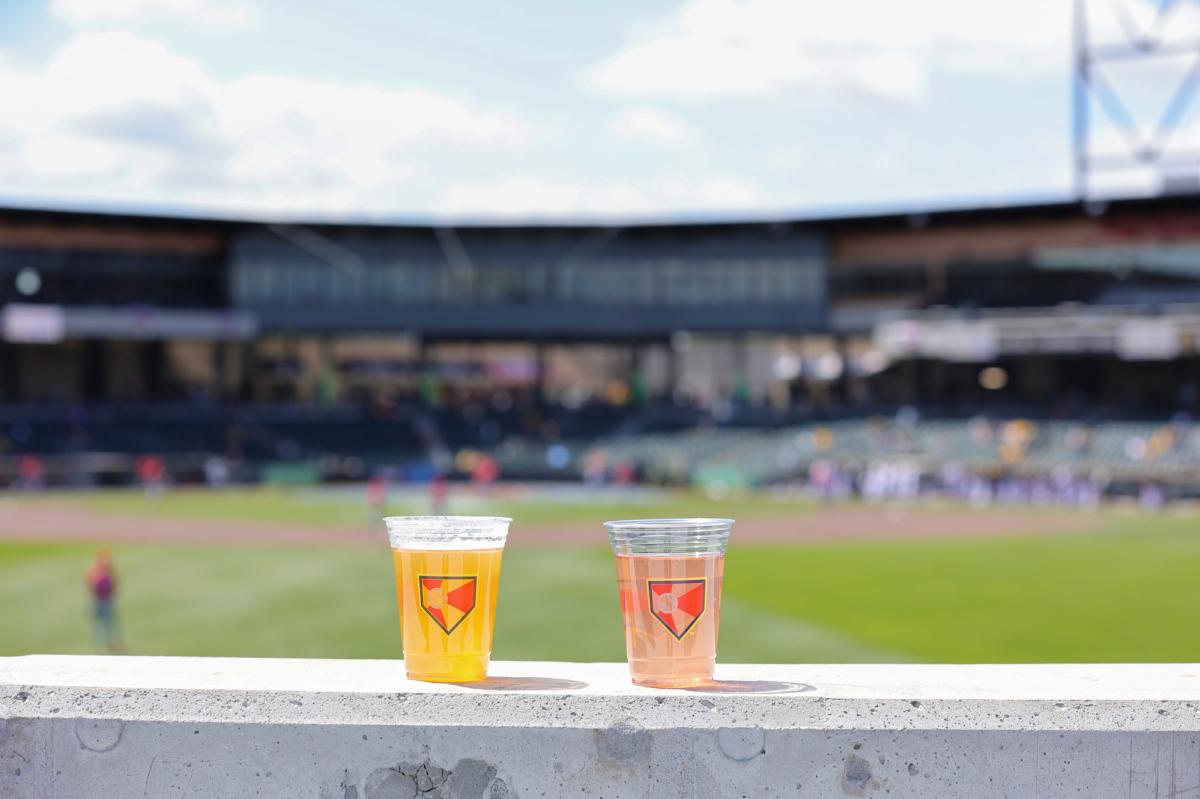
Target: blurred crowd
column 902, row 453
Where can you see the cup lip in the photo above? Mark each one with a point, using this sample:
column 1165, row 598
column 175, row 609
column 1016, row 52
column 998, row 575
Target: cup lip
column 447, row 532
column 448, row 520
column 693, row 523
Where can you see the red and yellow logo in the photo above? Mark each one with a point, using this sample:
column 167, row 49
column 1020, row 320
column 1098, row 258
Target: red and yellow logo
column 447, row 600
column 677, row 604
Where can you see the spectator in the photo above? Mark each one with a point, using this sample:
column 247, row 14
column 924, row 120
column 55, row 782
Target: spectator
column 485, row 471
column 216, row 471
column 439, row 494
column 102, row 584
column 31, row 473
column 152, row 472
column 377, row 491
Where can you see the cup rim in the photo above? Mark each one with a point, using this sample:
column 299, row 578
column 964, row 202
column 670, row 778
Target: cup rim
column 447, row 532
column 447, row 520
column 693, row 523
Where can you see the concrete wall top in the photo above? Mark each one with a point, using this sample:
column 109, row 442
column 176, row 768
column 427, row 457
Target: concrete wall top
column 193, row 728
column 1150, row 697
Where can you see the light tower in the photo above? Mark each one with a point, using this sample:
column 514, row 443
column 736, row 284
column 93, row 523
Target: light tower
column 1162, row 40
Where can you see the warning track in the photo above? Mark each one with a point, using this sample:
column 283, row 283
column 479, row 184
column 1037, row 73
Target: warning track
column 54, row 521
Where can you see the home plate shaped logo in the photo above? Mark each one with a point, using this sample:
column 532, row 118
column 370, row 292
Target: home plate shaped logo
column 447, row 600
column 678, row 604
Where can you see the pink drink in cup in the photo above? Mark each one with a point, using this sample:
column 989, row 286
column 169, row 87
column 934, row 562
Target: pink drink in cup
column 669, row 574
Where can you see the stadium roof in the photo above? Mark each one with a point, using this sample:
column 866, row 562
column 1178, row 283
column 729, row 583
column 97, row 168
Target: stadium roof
column 915, row 217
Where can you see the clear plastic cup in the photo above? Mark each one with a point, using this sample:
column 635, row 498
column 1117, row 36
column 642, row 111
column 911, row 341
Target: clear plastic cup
column 669, row 575
column 447, row 577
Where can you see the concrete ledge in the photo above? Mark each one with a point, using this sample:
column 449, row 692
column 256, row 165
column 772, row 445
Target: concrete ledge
column 79, row 727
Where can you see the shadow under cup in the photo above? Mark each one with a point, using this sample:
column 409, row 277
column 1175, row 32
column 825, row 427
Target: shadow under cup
column 669, row 574
column 447, row 578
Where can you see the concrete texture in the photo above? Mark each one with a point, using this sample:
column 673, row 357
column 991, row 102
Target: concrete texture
column 80, row 727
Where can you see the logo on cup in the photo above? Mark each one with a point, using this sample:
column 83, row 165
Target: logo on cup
column 677, row 604
column 447, row 600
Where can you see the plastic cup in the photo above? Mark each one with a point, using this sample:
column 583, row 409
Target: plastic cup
column 447, row 576
column 669, row 575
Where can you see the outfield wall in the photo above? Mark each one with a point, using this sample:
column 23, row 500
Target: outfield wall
column 83, row 727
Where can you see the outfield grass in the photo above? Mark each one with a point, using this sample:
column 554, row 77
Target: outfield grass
column 1126, row 594
column 339, row 602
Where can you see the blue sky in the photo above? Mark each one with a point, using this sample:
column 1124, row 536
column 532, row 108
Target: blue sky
column 388, row 109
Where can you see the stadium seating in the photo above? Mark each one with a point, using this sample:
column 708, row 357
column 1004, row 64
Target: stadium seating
column 658, row 444
column 1110, row 451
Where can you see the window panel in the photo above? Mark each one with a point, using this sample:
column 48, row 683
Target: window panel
column 291, row 280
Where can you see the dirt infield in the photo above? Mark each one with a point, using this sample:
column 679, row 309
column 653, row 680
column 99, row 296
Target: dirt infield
column 50, row 521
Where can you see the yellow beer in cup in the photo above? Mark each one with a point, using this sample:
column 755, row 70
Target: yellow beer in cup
column 447, row 577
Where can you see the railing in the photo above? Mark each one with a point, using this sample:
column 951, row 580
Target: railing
column 83, row 727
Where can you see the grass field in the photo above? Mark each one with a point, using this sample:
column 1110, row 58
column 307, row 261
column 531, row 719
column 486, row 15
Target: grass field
column 1126, row 592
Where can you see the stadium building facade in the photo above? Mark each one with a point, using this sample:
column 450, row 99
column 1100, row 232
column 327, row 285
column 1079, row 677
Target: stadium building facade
column 1085, row 307
column 102, row 307
column 1069, row 309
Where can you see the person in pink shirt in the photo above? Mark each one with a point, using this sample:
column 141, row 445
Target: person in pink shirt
column 102, row 585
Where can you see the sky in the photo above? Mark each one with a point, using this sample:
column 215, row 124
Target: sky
column 543, row 109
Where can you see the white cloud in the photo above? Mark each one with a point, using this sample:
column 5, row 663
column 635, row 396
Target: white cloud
column 518, row 196
column 747, row 48
column 720, row 194
column 117, row 117
column 528, row 196
column 787, row 157
column 653, row 126
column 216, row 13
